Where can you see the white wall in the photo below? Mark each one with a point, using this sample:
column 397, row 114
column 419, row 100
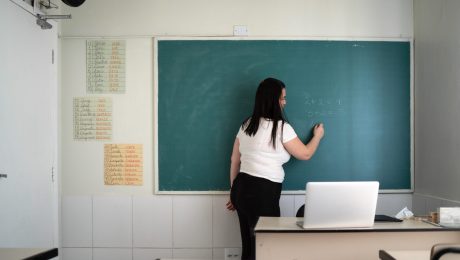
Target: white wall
column 83, row 161
column 348, row 18
column 437, row 106
column 160, row 226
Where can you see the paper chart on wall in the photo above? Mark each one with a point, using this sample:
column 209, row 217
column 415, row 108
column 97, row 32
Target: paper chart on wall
column 105, row 66
column 92, row 118
column 123, row 164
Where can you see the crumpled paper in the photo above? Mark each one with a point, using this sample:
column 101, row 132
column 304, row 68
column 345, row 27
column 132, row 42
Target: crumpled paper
column 405, row 213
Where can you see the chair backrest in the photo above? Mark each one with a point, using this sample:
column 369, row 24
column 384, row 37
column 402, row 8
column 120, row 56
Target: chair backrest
column 300, row 211
column 445, row 251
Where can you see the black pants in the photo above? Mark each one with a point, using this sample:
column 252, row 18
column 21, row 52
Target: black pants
column 253, row 197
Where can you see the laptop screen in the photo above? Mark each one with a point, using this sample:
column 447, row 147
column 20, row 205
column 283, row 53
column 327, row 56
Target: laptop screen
column 340, row 204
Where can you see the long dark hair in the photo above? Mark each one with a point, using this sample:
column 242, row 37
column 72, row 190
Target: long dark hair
column 267, row 105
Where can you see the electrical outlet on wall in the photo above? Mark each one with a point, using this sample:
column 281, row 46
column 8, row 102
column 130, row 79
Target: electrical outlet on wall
column 232, row 253
column 240, row 30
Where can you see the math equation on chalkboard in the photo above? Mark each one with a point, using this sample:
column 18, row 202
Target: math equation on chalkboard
column 105, row 66
column 92, row 118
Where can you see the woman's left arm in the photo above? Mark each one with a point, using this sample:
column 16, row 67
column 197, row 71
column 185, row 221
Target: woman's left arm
column 235, row 161
column 234, row 168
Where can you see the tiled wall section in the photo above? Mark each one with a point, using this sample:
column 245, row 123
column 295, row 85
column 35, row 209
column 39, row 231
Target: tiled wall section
column 424, row 204
column 164, row 226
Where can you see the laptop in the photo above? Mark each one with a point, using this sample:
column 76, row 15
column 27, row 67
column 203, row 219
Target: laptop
column 331, row 205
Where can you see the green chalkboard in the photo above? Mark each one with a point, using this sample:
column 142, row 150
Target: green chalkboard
column 360, row 90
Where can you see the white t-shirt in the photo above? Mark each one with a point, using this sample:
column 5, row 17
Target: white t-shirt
column 258, row 157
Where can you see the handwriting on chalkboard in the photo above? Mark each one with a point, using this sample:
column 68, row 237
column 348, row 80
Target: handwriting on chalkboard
column 123, row 164
column 92, row 118
column 105, row 66
column 323, row 106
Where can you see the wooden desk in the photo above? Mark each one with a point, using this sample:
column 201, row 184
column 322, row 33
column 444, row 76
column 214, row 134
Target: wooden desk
column 28, row 253
column 282, row 238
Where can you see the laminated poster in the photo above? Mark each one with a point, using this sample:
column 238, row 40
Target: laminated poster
column 123, row 164
column 105, row 66
column 92, row 118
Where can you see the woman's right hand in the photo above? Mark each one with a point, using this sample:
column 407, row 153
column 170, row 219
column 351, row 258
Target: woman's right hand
column 318, row 130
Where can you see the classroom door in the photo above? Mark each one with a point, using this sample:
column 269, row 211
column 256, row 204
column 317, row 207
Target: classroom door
column 28, row 131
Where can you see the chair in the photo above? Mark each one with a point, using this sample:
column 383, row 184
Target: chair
column 300, row 211
column 445, row 251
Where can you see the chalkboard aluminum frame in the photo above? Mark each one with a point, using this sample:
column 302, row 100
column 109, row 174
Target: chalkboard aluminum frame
column 220, row 38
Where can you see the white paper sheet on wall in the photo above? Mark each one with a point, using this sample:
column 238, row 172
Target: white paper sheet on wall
column 92, row 118
column 105, row 66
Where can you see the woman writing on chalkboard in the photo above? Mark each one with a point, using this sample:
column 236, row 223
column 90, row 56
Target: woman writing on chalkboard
column 265, row 141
